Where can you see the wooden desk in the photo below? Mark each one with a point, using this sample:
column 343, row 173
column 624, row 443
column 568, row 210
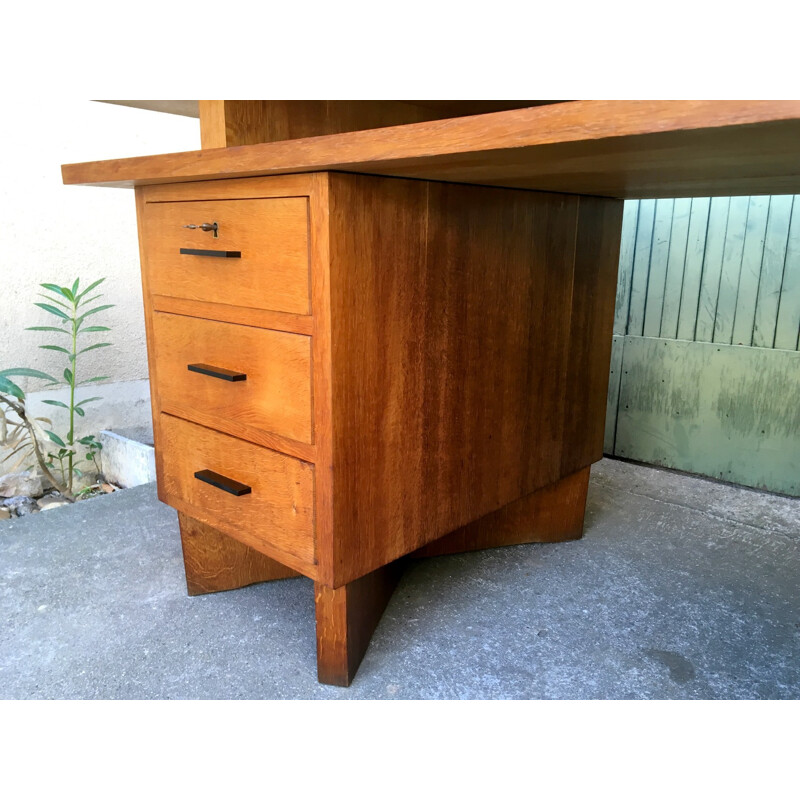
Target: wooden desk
column 384, row 343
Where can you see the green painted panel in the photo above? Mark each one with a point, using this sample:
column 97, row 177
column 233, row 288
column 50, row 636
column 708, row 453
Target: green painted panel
column 617, row 343
column 720, row 410
column 753, row 252
column 693, row 267
column 787, row 330
column 772, row 268
column 712, row 269
column 731, row 268
column 630, row 217
column 659, row 256
column 641, row 267
column 673, row 285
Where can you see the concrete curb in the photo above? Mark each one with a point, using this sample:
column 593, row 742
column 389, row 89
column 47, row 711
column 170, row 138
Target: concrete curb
column 126, row 461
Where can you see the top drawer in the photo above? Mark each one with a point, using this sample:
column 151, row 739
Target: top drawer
column 258, row 259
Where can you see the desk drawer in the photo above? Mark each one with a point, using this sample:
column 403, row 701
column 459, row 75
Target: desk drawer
column 252, row 376
column 276, row 509
column 258, row 259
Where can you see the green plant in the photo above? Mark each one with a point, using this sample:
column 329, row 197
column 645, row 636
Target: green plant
column 72, row 307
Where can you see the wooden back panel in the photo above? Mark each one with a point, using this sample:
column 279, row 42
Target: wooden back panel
column 231, row 123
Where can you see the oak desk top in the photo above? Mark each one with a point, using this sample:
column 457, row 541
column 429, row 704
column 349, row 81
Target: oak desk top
column 611, row 148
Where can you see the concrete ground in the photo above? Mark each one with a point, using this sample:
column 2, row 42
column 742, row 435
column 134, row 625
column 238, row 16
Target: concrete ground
column 680, row 588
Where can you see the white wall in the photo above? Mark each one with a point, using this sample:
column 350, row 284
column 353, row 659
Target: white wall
column 54, row 233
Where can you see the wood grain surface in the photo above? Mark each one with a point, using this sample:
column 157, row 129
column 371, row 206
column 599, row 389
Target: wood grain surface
column 275, row 395
column 551, row 514
column 239, row 315
column 278, row 512
column 591, row 321
column 215, row 562
column 453, row 322
column 231, row 123
column 270, row 234
column 612, row 148
column 346, row 620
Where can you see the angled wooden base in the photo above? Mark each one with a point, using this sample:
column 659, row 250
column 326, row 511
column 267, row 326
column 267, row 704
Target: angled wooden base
column 552, row 514
column 347, row 616
column 215, row 562
column 346, row 620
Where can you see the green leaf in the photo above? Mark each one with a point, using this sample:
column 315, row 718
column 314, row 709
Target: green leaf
column 88, row 400
column 53, row 300
column 94, row 347
column 87, row 440
column 47, row 328
column 79, row 411
column 75, row 286
column 9, row 387
column 54, row 437
column 89, row 300
column 77, row 472
column 98, row 378
column 52, row 310
column 89, row 456
column 93, row 311
column 54, row 347
column 89, row 288
column 62, row 290
column 56, row 403
column 95, row 328
column 68, row 377
column 25, row 372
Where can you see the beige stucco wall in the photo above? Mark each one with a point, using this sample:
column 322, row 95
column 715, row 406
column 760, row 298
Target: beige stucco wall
column 54, row 233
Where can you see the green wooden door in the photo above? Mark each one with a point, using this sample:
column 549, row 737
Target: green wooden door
column 705, row 367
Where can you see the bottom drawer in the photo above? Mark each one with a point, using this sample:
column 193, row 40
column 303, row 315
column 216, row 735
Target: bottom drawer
column 262, row 494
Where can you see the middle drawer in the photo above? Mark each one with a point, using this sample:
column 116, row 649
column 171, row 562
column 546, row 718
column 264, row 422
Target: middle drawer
column 252, row 376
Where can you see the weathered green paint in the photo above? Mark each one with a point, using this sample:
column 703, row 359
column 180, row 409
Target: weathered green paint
column 721, row 410
column 657, row 278
column 753, row 253
column 615, row 373
column 787, row 330
column 772, row 268
column 724, row 272
column 721, row 269
column 630, row 218
column 641, row 267
column 693, row 267
column 712, row 269
column 673, row 286
column 731, row 269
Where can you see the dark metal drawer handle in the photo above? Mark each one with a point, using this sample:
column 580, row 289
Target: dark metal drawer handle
column 188, row 251
column 217, row 372
column 221, row 482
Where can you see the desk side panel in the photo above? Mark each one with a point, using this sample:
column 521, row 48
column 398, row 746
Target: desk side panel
column 451, row 309
column 591, row 331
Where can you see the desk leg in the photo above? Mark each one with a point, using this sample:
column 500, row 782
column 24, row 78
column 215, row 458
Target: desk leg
column 215, row 562
column 552, row 514
column 346, row 620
